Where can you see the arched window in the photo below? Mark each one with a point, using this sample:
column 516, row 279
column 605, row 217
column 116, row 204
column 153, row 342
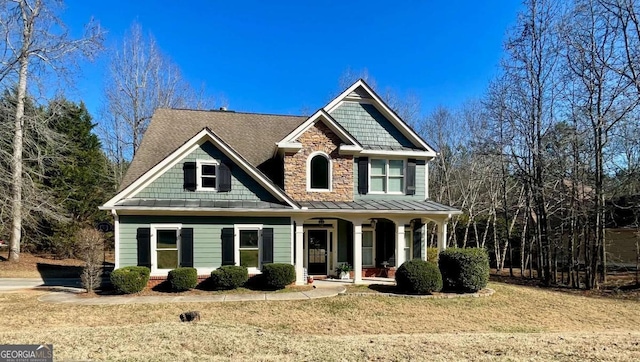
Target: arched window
column 319, row 172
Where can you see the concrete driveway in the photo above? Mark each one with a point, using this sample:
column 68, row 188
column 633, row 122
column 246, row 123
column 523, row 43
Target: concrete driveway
column 13, row 284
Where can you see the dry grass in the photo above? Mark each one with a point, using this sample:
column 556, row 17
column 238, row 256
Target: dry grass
column 517, row 323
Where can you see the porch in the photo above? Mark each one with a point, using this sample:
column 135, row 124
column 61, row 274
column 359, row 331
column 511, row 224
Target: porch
column 372, row 237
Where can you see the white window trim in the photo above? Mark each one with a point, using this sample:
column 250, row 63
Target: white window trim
column 236, row 244
column 373, row 247
column 154, row 242
column 199, row 164
column 325, row 155
column 386, row 176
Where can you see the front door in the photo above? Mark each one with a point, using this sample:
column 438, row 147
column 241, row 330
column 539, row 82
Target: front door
column 317, row 241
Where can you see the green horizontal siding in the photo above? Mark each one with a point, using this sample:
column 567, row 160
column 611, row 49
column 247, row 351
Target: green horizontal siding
column 369, row 126
column 207, row 245
column 170, row 184
column 420, row 186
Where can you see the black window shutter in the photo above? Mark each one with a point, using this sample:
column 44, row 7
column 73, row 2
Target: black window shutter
column 267, row 245
column 417, row 241
column 411, row 177
column 227, row 247
column 224, row 178
column 363, row 175
column 186, row 248
column 189, row 169
column 143, row 235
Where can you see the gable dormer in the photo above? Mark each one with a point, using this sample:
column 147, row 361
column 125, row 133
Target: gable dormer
column 318, row 160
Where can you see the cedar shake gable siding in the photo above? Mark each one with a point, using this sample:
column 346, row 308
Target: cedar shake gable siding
column 319, row 138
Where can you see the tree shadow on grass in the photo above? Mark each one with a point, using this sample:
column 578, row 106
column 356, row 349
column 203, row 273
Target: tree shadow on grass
column 51, row 273
column 384, row 288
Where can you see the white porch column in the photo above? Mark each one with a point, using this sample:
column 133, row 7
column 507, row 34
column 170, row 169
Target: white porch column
column 357, row 251
column 299, row 253
column 400, row 243
column 442, row 235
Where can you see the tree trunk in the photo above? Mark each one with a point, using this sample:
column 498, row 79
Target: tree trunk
column 16, row 159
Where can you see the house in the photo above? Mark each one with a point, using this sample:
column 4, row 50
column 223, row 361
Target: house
column 348, row 184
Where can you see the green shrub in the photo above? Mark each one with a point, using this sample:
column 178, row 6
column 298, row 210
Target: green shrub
column 464, row 270
column 418, row 277
column 432, row 255
column 278, row 276
column 183, row 279
column 130, row 279
column 229, row 277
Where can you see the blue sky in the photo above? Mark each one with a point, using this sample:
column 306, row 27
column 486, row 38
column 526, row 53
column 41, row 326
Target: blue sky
column 281, row 57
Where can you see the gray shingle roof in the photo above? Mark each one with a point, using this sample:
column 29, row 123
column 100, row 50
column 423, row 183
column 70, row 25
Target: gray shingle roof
column 251, row 135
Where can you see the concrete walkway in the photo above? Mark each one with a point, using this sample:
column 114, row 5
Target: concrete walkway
column 71, row 295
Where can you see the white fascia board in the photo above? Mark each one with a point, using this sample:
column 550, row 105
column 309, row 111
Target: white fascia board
column 328, row 120
column 349, row 150
column 336, row 101
column 422, row 155
column 385, row 110
column 289, row 146
column 183, row 151
column 157, row 170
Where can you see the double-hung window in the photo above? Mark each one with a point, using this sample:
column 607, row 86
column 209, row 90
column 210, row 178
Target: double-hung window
column 249, row 241
column 386, row 176
column 207, row 175
column 165, row 246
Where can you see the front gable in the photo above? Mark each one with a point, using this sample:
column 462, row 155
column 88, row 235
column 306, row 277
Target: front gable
column 171, row 179
column 170, row 185
column 318, row 139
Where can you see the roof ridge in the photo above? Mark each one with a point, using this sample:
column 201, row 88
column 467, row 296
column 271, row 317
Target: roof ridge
column 233, row 112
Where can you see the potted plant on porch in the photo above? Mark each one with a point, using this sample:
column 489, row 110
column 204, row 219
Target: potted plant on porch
column 343, row 271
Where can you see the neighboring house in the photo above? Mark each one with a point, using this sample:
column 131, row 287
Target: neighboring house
column 209, row 188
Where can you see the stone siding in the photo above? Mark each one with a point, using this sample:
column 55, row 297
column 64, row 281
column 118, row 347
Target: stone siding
column 319, row 137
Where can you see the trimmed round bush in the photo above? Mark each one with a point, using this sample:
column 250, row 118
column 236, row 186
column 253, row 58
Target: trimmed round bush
column 464, row 270
column 130, row 279
column 229, row 277
column 278, row 276
column 418, row 277
column 183, row 279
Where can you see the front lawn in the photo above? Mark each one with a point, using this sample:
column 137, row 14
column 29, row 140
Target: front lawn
column 517, row 322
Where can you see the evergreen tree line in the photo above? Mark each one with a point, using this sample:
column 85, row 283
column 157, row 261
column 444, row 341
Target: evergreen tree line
column 66, row 174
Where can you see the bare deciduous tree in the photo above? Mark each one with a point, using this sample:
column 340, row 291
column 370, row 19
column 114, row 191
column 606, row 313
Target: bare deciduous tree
column 141, row 80
column 34, row 37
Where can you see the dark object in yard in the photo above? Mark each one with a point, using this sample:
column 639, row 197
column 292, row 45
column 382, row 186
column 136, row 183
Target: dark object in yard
column 190, row 316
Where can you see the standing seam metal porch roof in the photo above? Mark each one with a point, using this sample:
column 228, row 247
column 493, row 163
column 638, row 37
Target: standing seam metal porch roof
column 380, row 205
column 363, row 205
